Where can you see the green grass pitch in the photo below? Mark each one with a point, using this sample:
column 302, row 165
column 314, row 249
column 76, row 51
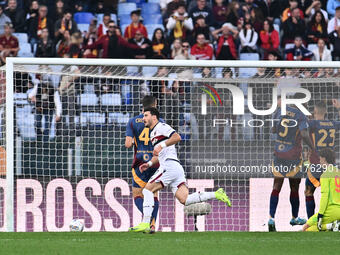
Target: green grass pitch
column 170, row 243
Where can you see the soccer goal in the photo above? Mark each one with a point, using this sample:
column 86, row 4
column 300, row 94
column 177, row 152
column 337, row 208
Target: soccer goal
column 62, row 133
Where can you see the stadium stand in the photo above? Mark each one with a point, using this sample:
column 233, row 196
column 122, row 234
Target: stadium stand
column 126, row 8
column 153, row 17
column 83, row 17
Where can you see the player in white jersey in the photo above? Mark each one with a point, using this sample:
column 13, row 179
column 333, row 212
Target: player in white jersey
column 170, row 173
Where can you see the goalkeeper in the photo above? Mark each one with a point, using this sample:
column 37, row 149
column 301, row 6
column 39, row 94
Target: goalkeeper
column 329, row 211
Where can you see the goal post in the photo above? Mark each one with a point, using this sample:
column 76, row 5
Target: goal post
column 78, row 167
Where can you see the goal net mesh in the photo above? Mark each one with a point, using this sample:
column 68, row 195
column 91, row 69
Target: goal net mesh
column 78, row 166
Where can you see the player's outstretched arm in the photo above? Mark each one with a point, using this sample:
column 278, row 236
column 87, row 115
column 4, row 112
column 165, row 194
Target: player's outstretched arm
column 148, row 164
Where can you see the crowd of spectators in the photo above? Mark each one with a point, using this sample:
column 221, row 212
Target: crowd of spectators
column 215, row 29
column 194, row 29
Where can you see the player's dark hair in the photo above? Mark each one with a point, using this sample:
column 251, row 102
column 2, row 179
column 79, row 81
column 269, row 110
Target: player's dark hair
column 153, row 111
column 148, row 101
column 329, row 155
column 322, row 106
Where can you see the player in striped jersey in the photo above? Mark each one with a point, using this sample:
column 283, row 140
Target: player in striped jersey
column 170, row 172
column 323, row 136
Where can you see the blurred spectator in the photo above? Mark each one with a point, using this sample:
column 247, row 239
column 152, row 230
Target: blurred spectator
column 66, row 23
column 78, row 5
column 293, row 26
column 63, row 45
column 219, row 13
column 269, row 38
column 69, row 88
column 46, row 100
column 45, row 47
column 274, row 55
column 334, row 23
column 102, row 28
column 226, row 47
column 327, row 73
column 160, row 46
column 179, row 24
column 334, row 38
column 293, row 4
column 256, row 19
column 248, row 38
column 314, row 7
column 202, row 50
column 273, row 72
column 75, row 50
column 33, row 10
column 9, row 44
column 113, row 45
column 90, row 38
column 176, row 48
column 317, row 28
column 17, row 16
column 119, row 32
column 3, row 20
column 232, row 13
column 332, row 5
column 207, row 72
column 202, row 9
column 102, row 43
column 37, row 24
column 321, row 53
column 144, row 43
column 58, row 12
column 135, row 25
column 171, row 7
column 185, row 52
column 100, row 8
column 201, row 28
column 275, row 9
column 298, row 52
column 246, row 8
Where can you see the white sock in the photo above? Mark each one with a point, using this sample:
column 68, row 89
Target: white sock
column 198, row 197
column 147, row 205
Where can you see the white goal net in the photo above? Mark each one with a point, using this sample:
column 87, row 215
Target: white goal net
column 69, row 157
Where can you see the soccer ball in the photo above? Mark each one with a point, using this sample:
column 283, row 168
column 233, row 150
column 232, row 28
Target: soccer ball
column 76, row 226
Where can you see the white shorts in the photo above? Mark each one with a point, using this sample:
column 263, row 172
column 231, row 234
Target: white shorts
column 171, row 174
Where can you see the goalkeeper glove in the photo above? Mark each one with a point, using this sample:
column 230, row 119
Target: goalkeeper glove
column 320, row 216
